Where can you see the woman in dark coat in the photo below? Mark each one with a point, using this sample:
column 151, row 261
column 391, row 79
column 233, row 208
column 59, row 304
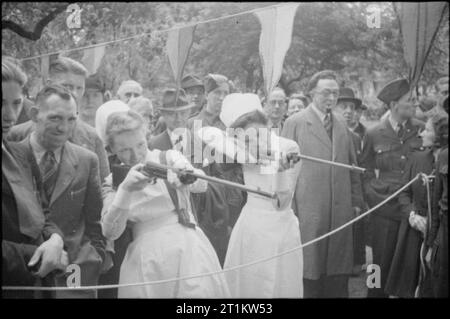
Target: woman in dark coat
column 437, row 241
column 403, row 277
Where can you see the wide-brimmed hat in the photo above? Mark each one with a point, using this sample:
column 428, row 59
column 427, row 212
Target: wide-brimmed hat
column 347, row 94
column 393, row 91
column 190, row 81
column 175, row 100
column 237, row 104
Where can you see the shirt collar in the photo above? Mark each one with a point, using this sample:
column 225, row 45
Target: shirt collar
column 319, row 113
column 39, row 151
column 394, row 123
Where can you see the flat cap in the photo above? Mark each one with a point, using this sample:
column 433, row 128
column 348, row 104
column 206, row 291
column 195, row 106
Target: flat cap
column 393, row 91
column 190, row 81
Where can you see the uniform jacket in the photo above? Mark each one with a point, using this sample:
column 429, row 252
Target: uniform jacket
column 385, row 151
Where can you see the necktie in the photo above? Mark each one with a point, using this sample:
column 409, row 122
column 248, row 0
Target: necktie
column 327, row 123
column 400, row 130
column 48, row 167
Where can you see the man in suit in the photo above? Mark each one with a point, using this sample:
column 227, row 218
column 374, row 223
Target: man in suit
column 387, row 147
column 68, row 181
column 72, row 75
column 325, row 197
column 210, row 207
column 28, row 238
column 276, row 107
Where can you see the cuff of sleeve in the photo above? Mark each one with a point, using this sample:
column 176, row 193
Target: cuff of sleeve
column 122, row 199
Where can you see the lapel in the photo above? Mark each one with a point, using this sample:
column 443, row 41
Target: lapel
column 316, row 127
column 67, row 171
column 387, row 130
column 411, row 130
column 31, row 217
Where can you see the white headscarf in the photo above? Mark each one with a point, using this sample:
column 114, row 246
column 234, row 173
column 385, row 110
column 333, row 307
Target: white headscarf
column 102, row 114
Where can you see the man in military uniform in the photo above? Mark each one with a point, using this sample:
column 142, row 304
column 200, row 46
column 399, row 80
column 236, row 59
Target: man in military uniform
column 195, row 92
column 386, row 148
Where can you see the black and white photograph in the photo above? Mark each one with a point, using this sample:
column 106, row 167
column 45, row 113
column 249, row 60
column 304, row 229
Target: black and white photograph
column 225, row 154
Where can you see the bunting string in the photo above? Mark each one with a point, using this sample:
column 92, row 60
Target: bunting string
column 156, row 32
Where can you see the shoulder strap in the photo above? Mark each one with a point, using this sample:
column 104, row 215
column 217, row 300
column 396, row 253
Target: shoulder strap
column 183, row 216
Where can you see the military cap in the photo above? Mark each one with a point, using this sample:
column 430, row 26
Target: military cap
column 393, row 91
column 190, row 81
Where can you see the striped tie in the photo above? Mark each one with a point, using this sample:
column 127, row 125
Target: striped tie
column 327, row 123
column 48, row 168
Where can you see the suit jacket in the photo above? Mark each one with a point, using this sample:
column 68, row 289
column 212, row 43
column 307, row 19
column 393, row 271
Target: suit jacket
column 385, row 151
column 83, row 135
column 324, row 195
column 18, row 248
column 75, row 207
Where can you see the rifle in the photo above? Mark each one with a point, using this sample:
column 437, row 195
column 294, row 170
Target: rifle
column 155, row 170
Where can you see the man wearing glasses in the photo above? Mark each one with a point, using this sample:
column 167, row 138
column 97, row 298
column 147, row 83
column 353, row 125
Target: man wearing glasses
column 276, row 108
column 325, row 197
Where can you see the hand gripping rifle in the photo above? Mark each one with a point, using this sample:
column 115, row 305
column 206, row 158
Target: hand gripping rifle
column 155, row 170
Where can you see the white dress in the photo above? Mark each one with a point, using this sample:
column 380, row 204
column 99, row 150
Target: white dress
column 162, row 248
column 263, row 230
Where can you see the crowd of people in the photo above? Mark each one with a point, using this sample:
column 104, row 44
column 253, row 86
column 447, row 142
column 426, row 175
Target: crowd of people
column 77, row 189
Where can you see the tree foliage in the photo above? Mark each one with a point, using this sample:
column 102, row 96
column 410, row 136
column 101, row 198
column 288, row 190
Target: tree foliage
column 325, row 36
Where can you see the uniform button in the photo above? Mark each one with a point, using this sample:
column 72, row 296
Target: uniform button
column 403, row 157
column 401, row 142
column 402, row 172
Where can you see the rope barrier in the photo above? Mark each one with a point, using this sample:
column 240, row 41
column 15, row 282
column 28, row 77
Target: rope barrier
column 154, row 32
column 420, row 175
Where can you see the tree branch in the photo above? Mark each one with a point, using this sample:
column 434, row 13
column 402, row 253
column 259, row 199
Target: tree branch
column 39, row 27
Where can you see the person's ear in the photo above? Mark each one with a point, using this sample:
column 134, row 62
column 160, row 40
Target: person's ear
column 33, row 113
column 48, row 82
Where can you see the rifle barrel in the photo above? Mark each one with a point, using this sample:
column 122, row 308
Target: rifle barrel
column 217, row 180
column 319, row 160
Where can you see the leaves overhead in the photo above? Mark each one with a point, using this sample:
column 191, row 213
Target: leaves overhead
column 325, row 36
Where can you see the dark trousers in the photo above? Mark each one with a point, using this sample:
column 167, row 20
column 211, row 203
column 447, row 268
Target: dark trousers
column 384, row 240
column 359, row 243
column 326, row 287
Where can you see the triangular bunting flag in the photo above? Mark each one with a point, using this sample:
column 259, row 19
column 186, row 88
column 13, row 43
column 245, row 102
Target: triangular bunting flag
column 419, row 23
column 92, row 58
column 179, row 42
column 275, row 40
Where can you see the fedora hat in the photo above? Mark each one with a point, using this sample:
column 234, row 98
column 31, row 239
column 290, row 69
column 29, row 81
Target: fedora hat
column 174, row 101
column 347, row 94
